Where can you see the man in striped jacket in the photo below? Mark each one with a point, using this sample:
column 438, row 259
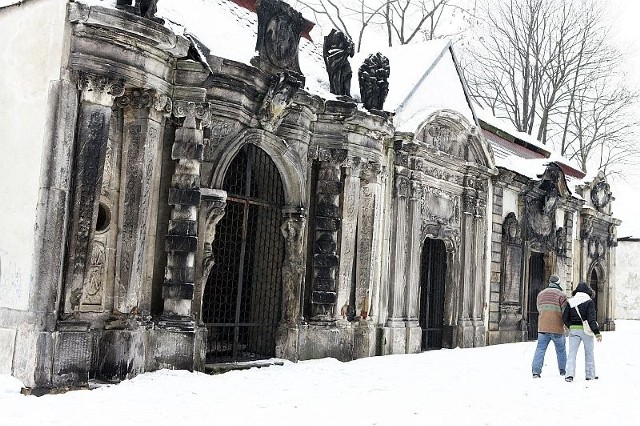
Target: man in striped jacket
column 551, row 301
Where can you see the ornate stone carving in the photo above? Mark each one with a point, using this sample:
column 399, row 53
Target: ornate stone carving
column 337, row 50
column 511, row 233
column 94, row 289
column 143, row 98
column 279, row 30
column 214, row 210
column 292, row 229
column 612, row 239
column 277, row 100
column 403, row 187
column 596, row 248
column 561, row 241
column 450, row 236
column 601, row 195
column 144, row 8
column 587, row 227
column 440, row 206
column 373, row 78
column 445, row 139
column 100, row 86
column 193, row 113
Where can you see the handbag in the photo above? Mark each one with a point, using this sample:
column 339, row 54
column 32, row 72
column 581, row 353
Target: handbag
column 585, row 324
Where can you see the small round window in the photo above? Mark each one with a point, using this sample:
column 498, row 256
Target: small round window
column 104, row 218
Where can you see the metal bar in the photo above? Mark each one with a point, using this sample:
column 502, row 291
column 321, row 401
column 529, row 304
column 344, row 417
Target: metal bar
column 243, row 250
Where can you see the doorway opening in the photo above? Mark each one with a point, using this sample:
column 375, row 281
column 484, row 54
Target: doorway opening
column 536, row 285
column 243, row 296
column 433, row 270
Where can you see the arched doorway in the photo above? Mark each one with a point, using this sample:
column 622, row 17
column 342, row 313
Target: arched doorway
column 536, row 285
column 433, row 269
column 243, row 296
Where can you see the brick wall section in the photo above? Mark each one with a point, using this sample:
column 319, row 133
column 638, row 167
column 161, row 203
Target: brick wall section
column 496, row 260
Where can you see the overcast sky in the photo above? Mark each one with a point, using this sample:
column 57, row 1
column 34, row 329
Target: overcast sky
column 625, row 14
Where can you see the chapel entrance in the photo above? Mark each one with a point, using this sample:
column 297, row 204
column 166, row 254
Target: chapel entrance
column 536, row 285
column 242, row 299
column 433, row 268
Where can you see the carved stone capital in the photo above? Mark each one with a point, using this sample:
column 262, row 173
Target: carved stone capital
column 100, row 89
column 402, row 186
column 192, row 111
column 144, row 99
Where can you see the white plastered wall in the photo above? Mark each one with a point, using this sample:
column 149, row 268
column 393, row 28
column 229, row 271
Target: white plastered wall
column 30, row 57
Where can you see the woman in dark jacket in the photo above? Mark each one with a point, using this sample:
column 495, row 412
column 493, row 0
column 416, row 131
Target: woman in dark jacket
column 581, row 301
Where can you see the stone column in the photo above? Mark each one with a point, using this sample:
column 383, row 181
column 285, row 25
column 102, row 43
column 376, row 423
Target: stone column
column 184, row 195
column 144, row 112
column 347, row 254
column 293, row 272
column 327, row 223
column 465, row 334
column 395, row 329
column 367, row 260
column 414, row 334
column 479, row 273
column 97, row 94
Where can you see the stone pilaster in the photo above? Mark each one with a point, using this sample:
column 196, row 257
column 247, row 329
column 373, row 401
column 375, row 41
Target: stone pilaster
column 347, row 254
column 414, row 336
column 394, row 332
column 479, row 273
column 465, row 333
column 144, row 112
column 97, row 94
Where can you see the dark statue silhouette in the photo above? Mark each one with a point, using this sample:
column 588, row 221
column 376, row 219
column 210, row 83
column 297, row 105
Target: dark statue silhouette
column 145, row 8
column 372, row 76
column 337, row 50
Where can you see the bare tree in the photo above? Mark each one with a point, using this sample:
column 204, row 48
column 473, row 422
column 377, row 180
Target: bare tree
column 402, row 21
column 547, row 67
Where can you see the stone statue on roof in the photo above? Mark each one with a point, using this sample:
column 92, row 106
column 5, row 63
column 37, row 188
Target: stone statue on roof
column 373, row 77
column 144, row 8
column 337, row 50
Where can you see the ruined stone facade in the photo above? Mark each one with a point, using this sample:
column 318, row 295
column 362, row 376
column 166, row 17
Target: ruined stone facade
column 212, row 211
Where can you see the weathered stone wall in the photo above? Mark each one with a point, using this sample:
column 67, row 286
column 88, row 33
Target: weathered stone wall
column 627, row 279
column 31, row 57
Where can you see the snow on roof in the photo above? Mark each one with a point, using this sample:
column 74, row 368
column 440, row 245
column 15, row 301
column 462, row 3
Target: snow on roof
column 423, row 79
column 230, row 31
column 525, row 154
column 508, row 127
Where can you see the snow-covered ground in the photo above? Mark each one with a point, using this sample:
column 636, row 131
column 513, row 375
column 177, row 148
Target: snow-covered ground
column 482, row 386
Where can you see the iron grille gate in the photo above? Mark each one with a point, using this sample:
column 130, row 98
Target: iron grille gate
column 242, row 300
column 536, row 284
column 433, row 268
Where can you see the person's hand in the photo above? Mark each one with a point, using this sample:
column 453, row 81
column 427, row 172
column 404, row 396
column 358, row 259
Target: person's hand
column 599, row 337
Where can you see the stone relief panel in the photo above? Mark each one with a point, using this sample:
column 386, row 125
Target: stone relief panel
column 439, row 206
column 512, row 260
column 445, row 138
column 601, row 195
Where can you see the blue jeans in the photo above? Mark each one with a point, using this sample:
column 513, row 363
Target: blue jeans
column 575, row 337
column 543, row 342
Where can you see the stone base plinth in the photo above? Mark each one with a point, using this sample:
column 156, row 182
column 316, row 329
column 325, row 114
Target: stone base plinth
column 414, row 338
column 121, row 354
column 326, row 340
column 394, row 339
column 177, row 350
